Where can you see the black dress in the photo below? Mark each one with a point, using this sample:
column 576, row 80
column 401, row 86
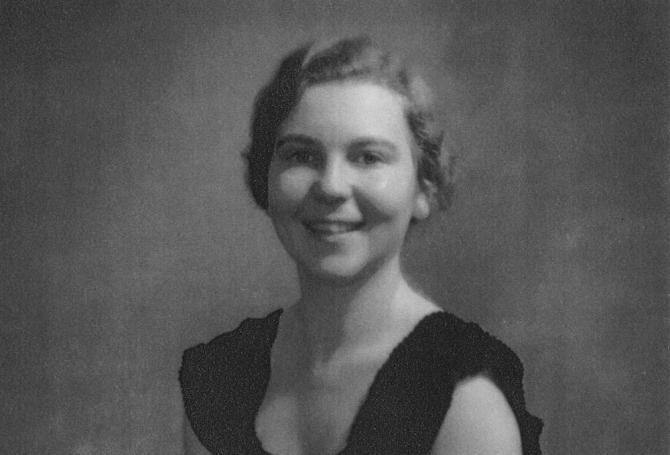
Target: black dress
column 224, row 382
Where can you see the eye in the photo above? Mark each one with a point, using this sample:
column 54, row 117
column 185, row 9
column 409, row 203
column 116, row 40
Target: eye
column 302, row 156
column 368, row 157
column 297, row 154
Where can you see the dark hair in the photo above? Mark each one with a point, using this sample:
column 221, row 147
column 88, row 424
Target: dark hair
column 346, row 59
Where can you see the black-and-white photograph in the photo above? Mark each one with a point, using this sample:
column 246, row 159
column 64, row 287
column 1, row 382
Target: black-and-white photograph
column 320, row 227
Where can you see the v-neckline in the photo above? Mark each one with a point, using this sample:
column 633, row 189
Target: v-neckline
column 374, row 387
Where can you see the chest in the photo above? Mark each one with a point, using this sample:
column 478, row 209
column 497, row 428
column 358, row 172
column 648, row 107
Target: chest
column 304, row 418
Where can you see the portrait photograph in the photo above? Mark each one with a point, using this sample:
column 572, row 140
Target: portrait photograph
column 320, row 227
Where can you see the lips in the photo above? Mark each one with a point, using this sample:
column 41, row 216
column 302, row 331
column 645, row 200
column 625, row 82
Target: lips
column 328, row 228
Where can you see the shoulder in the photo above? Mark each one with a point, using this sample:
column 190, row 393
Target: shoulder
column 221, row 379
column 226, row 354
column 250, row 329
column 252, row 334
column 191, row 442
column 479, row 420
column 485, row 377
column 467, row 350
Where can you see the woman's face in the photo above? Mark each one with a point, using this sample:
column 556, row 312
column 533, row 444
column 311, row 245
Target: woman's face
column 342, row 186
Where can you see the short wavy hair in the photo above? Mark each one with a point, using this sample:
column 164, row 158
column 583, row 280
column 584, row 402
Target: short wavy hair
column 347, row 59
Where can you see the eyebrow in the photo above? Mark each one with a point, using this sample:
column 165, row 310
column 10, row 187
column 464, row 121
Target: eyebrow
column 359, row 142
column 375, row 141
column 296, row 138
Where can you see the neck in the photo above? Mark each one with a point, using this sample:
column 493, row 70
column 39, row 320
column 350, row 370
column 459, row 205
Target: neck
column 338, row 318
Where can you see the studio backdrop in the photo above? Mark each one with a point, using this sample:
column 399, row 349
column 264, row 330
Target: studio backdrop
column 127, row 233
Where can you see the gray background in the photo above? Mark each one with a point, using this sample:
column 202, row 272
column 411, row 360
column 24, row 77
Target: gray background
column 127, row 234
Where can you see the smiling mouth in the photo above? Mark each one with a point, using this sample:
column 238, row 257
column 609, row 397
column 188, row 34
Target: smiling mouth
column 331, row 228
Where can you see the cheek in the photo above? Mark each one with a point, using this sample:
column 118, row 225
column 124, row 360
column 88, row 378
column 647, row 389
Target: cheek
column 393, row 195
column 287, row 189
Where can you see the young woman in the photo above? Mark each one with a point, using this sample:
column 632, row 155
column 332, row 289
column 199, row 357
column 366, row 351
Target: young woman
column 344, row 158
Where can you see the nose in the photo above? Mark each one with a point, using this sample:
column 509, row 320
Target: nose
column 332, row 184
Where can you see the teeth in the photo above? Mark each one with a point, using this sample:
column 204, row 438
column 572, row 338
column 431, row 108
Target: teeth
column 332, row 228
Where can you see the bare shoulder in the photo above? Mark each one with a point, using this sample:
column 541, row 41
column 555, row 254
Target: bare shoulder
column 479, row 421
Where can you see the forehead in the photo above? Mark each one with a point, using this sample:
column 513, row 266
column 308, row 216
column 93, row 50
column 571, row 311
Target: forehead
column 344, row 108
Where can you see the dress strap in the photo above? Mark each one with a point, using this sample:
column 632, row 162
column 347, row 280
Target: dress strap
column 411, row 394
column 223, row 383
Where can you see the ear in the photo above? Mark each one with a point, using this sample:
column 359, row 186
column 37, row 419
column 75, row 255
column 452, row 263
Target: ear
column 422, row 200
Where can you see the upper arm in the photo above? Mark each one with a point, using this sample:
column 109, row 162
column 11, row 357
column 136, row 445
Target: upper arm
column 192, row 446
column 479, row 421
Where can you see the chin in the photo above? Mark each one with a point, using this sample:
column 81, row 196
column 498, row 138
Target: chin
column 333, row 275
column 338, row 273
